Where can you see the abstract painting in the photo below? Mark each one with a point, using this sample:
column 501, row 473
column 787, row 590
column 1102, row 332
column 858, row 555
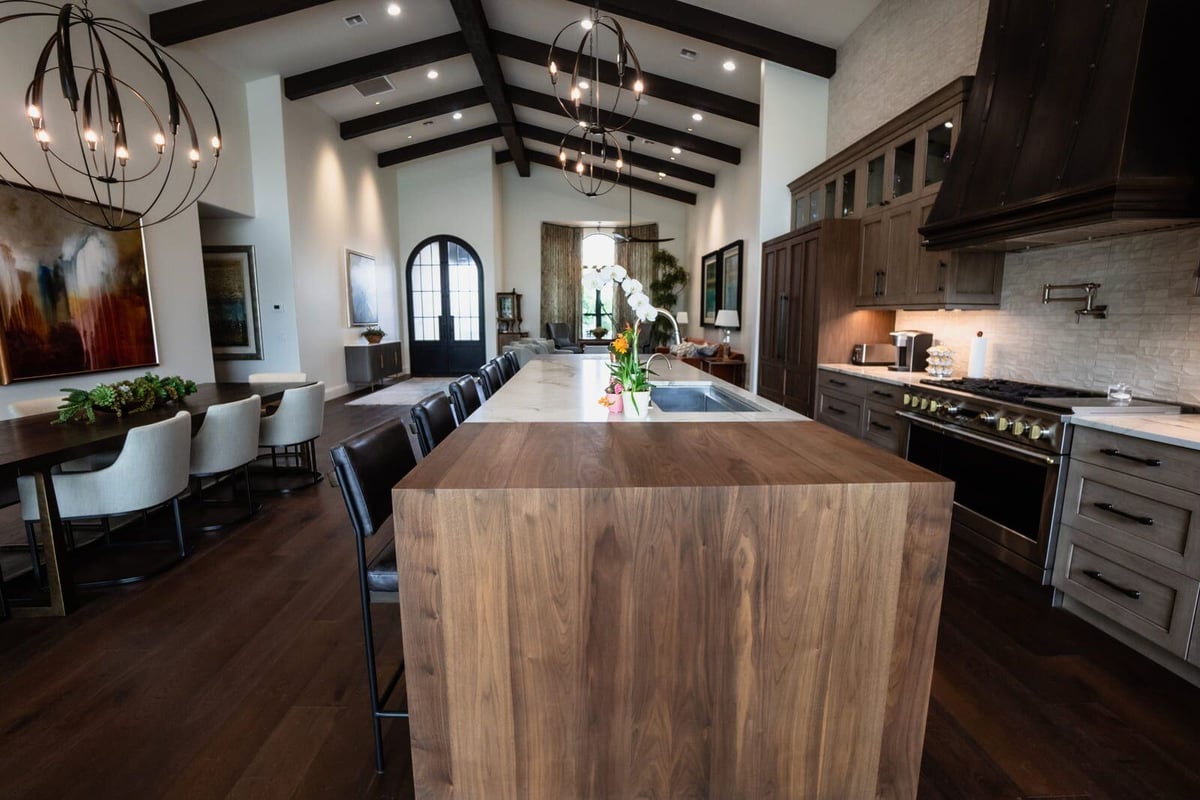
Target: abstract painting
column 73, row 298
column 364, row 294
column 231, row 285
column 731, row 278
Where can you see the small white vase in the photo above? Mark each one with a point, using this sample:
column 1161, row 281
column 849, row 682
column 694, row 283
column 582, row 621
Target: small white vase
column 639, row 399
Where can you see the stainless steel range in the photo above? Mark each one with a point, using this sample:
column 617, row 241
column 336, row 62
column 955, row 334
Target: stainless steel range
column 1005, row 444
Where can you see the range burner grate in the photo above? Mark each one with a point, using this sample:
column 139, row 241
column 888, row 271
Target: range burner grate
column 1008, row 391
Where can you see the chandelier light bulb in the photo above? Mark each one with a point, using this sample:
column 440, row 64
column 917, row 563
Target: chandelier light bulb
column 579, row 167
column 576, row 95
column 43, row 137
column 638, row 87
column 216, row 144
column 553, row 69
column 194, row 156
column 122, row 155
column 91, row 138
column 562, row 156
column 33, row 112
column 586, row 24
column 620, row 164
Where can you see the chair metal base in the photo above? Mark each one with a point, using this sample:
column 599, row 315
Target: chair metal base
column 128, row 579
column 288, row 478
column 199, row 518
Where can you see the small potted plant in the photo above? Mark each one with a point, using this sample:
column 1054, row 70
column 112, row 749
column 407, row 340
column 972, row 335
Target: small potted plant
column 630, row 373
column 374, row 335
column 599, row 331
column 612, row 399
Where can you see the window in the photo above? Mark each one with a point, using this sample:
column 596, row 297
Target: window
column 598, row 249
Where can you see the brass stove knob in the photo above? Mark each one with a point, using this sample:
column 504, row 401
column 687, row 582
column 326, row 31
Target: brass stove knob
column 1037, row 432
column 1019, row 428
column 934, row 405
column 908, row 399
column 924, row 402
column 1002, row 424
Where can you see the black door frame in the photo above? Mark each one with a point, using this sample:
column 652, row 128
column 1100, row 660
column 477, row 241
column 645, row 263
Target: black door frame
column 448, row 366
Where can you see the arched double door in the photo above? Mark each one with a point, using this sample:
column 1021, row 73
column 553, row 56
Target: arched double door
column 445, row 307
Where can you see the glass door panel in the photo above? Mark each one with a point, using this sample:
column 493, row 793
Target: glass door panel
column 904, row 163
column 875, row 181
column 830, row 199
column 848, row 185
column 937, row 152
column 814, row 205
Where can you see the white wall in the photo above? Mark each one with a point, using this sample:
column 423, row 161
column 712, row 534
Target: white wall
column 451, row 195
column 792, row 137
column 173, row 248
column 545, row 196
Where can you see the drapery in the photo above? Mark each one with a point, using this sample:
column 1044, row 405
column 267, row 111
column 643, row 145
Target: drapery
column 562, row 271
column 638, row 260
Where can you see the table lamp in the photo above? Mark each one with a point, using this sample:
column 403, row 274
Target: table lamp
column 727, row 318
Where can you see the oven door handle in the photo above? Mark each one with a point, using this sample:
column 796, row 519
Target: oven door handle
column 983, row 441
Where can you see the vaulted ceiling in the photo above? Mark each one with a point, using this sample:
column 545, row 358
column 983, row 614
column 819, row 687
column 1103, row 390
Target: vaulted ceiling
column 484, row 61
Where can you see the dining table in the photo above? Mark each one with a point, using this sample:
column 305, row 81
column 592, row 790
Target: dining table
column 34, row 445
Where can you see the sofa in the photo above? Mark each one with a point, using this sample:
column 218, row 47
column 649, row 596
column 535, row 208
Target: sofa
column 696, row 360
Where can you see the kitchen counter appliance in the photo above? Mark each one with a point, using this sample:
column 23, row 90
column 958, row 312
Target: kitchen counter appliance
column 911, row 347
column 1006, row 445
column 873, row 355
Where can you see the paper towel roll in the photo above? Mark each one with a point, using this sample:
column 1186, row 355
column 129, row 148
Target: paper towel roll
column 978, row 358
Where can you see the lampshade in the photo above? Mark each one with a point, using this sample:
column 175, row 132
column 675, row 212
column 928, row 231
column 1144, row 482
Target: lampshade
column 681, row 318
column 727, row 318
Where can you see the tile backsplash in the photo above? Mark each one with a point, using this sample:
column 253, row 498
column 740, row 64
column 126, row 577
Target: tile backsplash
column 1150, row 340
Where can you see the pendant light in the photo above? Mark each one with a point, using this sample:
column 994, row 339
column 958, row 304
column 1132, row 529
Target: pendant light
column 634, row 239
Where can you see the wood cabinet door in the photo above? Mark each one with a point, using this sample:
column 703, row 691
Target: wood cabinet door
column 872, row 268
column 930, row 266
column 773, row 321
column 901, row 232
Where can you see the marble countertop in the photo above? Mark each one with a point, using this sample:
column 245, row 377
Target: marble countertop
column 878, row 374
column 1182, row 430
column 568, row 388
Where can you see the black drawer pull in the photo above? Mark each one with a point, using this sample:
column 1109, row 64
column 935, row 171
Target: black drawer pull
column 835, row 409
column 1097, row 576
column 880, row 425
column 1149, row 462
column 888, row 395
column 836, row 382
column 1109, row 508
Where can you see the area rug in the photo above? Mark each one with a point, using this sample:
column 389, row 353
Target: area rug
column 405, row 393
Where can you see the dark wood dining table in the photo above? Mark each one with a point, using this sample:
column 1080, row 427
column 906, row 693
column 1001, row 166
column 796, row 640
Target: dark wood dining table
column 34, row 445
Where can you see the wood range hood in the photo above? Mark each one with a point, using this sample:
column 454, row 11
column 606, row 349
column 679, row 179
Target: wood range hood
column 1083, row 122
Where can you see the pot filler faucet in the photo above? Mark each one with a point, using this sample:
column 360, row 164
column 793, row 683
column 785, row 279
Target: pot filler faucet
column 1089, row 296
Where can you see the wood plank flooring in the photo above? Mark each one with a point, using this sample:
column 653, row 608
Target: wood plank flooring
column 240, row 674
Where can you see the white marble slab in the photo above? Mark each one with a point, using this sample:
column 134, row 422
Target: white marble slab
column 568, row 388
column 1182, row 430
column 882, row 374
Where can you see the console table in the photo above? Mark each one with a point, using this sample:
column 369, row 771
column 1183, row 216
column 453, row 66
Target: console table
column 732, row 370
column 373, row 363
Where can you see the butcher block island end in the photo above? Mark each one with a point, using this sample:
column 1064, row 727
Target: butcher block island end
column 723, row 610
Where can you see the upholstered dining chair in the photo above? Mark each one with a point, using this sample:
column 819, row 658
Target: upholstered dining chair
column 560, row 332
column 507, row 370
column 277, row 377
column 294, row 428
column 434, row 419
column 35, row 405
column 227, row 442
column 151, row 471
column 490, row 379
column 464, row 398
column 368, row 466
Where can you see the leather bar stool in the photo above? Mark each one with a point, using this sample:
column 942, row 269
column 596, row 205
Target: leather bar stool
column 434, row 419
column 507, row 369
column 464, row 398
column 490, row 379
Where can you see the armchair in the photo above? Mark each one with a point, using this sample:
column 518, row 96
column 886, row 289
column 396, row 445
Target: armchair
column 562, row 335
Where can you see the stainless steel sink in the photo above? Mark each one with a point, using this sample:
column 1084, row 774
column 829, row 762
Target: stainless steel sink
column 695, row 396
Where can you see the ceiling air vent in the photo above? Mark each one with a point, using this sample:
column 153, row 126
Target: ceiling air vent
column 690, row 55
column 354, row 20
column 374, row 86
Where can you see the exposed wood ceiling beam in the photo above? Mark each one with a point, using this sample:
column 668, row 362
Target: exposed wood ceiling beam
column 660, row 86
column 650, row 187
column 638, row 127
column 414, row 112
column 736, row 34
column 672, row 168
column 435, row 146
column 475, row 29
column 207, row 17
column 348, row 73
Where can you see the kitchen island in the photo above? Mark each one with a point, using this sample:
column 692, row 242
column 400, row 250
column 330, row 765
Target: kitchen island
column 729, row 608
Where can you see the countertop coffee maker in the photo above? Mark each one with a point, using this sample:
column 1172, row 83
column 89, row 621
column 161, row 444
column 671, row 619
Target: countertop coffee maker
column 910, row 350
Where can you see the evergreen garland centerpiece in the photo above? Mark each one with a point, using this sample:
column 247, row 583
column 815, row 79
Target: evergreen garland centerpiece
column 123, row 397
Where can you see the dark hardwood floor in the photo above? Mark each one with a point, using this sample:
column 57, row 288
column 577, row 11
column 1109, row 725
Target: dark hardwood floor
column 240, row 674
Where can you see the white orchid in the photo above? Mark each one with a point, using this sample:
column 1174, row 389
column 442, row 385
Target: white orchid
column 606, row 272
column 647, row 313
column 618, row 273
column 593, row 281
column 632, row 286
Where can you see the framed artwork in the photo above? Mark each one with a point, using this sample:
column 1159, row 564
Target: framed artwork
column 731, row 279
column 76, row 298
column 710, row 268
column 362, row 287
column 231, row 287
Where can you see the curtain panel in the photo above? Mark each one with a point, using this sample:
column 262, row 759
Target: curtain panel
column 638, row 259
column 562, row 271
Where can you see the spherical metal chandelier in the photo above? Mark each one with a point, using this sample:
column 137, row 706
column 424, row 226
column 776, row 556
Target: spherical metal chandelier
column 589, row 154
column 116, row 137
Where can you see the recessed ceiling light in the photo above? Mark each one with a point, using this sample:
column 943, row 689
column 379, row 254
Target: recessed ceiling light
column 662, row 174
column 584, row 85
column 676, row 150
column 458, row 115
column 377, row 102
column 697, row 116
column 949, row 124
column 393, row 9
column 586, row 24
column 433, row 73
column 410, row 136
column 690, row 130
column 729, row 65
column 672, row 158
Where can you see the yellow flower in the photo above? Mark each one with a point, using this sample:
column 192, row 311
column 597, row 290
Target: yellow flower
column 620, row 345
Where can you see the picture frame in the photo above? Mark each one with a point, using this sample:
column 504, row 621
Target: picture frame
column 362, row 289
column 231, row 289
column 83, row 292
column 730, row 281
column 710, row 267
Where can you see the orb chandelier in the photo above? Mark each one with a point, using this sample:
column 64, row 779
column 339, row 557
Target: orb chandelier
column 589, row 154
column 115, row 137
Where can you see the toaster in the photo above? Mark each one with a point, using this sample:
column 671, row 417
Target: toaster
column 871, row 355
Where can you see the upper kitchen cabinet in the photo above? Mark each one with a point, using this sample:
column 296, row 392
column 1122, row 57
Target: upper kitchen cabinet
column 889, row 180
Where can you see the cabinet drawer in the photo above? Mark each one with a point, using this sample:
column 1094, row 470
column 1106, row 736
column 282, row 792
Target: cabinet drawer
column 882, row 427
column 859, row 387
column 1152, row 520
column 1154, row 461
column 1148, row 599
column 841, row 412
